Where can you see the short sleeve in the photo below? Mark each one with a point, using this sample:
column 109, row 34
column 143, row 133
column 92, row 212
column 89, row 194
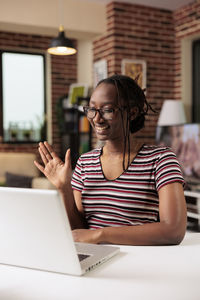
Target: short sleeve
column 77, row 177
column 167, row 169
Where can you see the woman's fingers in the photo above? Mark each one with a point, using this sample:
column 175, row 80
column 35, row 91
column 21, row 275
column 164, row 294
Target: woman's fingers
column 53, row 167
column 48, row 155
column 68, row 163
column 67, row 156
column 50, row 150
column 46, row 152
column 43, row 155
column 40, row 167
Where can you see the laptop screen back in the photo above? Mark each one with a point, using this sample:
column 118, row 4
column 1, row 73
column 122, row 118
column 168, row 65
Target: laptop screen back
column 35, row 232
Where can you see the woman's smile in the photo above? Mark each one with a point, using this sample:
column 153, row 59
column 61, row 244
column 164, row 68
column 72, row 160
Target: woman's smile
column 101, row 129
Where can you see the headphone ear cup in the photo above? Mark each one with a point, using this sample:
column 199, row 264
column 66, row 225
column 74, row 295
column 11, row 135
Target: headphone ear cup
column 137, row 123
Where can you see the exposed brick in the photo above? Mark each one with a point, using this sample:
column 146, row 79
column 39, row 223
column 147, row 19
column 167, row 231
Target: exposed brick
column 139, row 32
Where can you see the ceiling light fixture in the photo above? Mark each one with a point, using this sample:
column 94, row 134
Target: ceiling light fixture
column 61, row 45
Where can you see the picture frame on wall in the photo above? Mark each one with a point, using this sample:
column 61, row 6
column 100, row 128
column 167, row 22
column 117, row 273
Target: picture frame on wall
column 77, row 90
column 136, row 69
column 99, row 71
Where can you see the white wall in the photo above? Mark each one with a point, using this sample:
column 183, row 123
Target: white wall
column 85, row 59
column 81, row 19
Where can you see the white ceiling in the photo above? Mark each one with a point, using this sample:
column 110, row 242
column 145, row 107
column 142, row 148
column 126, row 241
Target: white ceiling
column 165, row 4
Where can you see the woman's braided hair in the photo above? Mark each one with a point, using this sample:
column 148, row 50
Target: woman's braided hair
column 129, row 95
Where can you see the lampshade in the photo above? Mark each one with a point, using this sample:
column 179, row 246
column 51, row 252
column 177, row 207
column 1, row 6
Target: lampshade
column 172, row 113
column 61, row 45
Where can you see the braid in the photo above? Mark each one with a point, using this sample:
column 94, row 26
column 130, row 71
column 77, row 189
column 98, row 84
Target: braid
column 126, row 133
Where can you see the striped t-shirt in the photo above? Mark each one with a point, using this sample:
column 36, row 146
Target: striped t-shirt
column 130, row 199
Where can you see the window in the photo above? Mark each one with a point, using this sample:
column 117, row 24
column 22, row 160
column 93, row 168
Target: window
column 22, row 97
column 196, row 82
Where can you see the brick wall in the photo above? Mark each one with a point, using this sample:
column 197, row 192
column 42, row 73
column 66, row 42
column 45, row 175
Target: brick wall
column 140, row 32
column 63, row 73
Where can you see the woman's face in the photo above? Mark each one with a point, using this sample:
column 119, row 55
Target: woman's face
column 105, row 97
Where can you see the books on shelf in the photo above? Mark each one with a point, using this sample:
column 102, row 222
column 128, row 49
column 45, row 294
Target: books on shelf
column 84, row 125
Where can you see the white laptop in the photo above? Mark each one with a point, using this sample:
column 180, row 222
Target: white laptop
column 35, row 233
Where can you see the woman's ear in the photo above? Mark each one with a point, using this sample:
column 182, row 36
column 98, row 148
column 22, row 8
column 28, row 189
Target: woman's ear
column 133, row 112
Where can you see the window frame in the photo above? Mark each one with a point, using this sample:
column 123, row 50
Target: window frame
column 1, row 95
column 195, row 81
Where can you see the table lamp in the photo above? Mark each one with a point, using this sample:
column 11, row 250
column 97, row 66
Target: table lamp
column 172, row 113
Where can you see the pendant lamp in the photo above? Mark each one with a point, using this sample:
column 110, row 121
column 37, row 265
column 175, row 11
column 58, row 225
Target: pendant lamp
column 61, row 45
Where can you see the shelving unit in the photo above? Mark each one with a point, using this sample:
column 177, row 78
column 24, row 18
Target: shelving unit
column 193, row 208
column 76, row 133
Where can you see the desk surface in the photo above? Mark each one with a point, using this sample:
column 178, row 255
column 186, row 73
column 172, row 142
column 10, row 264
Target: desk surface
column 161, row 272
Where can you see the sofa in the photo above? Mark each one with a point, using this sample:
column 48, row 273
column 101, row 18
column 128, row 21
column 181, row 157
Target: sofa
column 18, row 170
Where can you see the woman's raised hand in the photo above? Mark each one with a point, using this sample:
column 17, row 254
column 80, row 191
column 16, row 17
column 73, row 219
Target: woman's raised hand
column 58, row 172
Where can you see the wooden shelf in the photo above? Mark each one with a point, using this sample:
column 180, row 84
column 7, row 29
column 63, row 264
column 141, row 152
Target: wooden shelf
column 76, row 133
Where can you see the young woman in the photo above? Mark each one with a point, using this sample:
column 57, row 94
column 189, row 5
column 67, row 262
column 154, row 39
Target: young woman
column 125, row 192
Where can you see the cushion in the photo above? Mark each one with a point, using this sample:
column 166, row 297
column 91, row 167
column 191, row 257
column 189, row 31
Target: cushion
column 18, row 163
column 16, row 180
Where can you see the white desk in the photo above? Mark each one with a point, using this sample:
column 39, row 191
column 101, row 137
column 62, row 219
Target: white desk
column 164, row 273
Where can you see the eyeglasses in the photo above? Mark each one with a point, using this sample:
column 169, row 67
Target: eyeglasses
column 106, row 113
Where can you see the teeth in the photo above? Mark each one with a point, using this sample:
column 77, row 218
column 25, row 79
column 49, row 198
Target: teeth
column 101, row 128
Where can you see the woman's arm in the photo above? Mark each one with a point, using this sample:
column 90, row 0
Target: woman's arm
column 59, row 174
column 74, row 211
column 170, row 230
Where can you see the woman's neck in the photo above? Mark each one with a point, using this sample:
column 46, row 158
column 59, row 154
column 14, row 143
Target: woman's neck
column 117, row 149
